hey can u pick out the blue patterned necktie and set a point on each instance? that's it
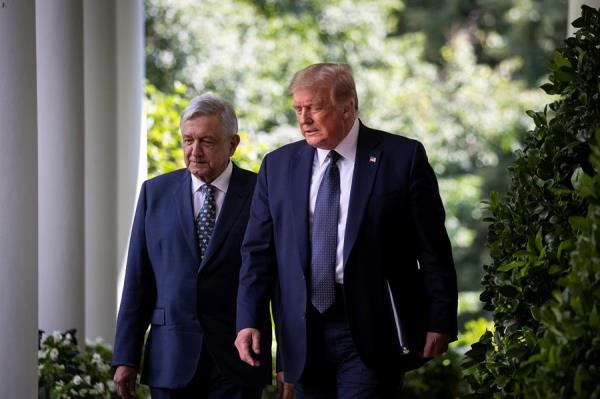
(324, 237)
(205, 222)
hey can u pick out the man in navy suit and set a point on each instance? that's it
(350, 223)
(182, 271)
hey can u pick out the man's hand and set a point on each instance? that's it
(435, 345)
(284, 390)
(125, 381)
(248, 345)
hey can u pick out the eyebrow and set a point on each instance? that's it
(317, 103)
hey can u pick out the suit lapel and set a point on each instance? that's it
(368, 158)
(185, 214)
(299, 177)
(234, 201)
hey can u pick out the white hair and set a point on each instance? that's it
(207, 105)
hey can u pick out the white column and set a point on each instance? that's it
(60, 164)
(575, 12)
(100, 168)
(18, 201)
(131, 134)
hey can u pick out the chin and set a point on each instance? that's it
(321, 144)
(201, 173)
(314, 141)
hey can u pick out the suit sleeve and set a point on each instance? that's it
(433, 247)
(139, 294)
(257, 273)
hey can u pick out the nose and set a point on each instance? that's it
(196, 148)
(304, 116)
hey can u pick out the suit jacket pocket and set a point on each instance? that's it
(158, 317)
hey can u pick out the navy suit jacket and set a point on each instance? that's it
(398, 267)
(186, 302)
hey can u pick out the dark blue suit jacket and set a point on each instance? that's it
(186, 302)
(395, 237)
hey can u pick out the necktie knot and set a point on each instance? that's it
(208, 190)
(333, 156)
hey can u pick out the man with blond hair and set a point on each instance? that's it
(350, 224)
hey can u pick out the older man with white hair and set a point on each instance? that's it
(182, 271)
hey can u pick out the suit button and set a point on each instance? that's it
(304, 316)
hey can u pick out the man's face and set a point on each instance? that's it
(323, 124)
(206, 147)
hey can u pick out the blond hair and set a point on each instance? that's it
(337, 77)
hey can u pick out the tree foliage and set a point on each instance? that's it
(543, 284)
(525, 31)
(468, 114)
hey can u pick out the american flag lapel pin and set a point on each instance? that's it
(372, 159)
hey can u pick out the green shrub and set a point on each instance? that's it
(442, 377)
(65, 372)
(543, 283)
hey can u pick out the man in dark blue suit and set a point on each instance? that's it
(182, 271)
(350, 223)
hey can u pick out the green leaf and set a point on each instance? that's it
(549, 88)
(578, 222)
(594, 319)
(580, 376)
(555, 269)
(566, 245)
(511, 265)
(576, 304)
(564, 76)
(558, 61)
(538, 240)
(580, 181)
(578, 23)
(536, 313)
(523, 253)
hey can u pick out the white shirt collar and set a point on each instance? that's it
(221, 182)
(346, 148)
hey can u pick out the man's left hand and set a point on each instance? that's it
(435, 345)
(284, 390)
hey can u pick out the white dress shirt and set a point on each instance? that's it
(221, 183)
(347, 150)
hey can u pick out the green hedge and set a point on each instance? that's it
(543, 283)
(64, 371)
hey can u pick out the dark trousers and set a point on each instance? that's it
(208, 383)
(334, 368)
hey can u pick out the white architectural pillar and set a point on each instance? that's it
(18, 201)
(575, 12)
(60, 165)
(101, 260)
(131, 134)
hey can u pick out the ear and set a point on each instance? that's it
(348, 109)
(233, 143)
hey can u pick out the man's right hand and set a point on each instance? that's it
(248, 345)
(125, 381)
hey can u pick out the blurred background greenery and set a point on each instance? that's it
(457, 75)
